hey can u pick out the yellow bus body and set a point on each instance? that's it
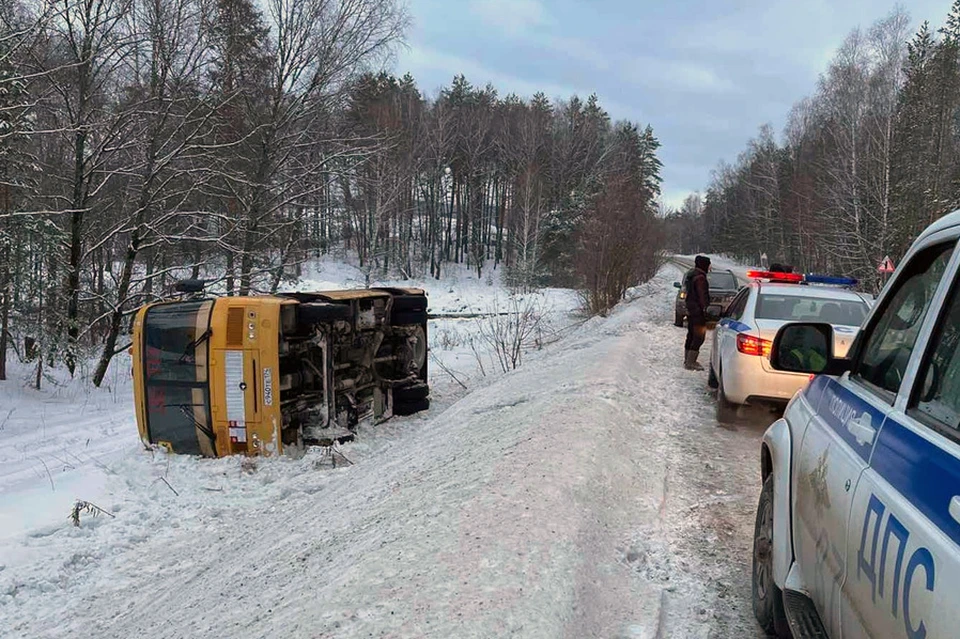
(209, 380)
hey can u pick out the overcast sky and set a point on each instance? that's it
(705, 73)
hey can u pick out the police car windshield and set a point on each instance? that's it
(722, 281)
(819, 309)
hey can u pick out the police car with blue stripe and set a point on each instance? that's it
(858, 524)
(740, 368)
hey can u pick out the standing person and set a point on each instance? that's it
(698, 299)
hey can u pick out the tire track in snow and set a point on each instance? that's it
(713, 515)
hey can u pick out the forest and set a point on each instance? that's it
(144, 141)
(865, 163)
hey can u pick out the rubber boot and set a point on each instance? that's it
(690, 363)
(693, 360)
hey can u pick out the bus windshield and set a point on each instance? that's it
(175, 343)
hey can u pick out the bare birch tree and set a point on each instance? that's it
(167, 120)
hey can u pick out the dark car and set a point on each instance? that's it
(723, 288)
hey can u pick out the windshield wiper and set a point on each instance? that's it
(191, 348)
(187, 410)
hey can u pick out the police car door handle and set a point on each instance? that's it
(862, 429)
(955, 508)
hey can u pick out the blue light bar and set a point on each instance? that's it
(829, 279)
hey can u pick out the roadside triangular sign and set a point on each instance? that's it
(886, 265)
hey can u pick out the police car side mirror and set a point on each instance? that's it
(677, 285)
(806, 347)
(714, 312)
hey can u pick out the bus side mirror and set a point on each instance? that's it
(189, 286)
(806, 347)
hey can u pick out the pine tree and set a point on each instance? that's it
(239, 76)
(915, 137)
(945, 89)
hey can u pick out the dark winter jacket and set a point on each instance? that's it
(698, 291)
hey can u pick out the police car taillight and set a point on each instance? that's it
(776, 276)
(751, 345)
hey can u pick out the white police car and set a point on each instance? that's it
(739, 366)
(858, 524)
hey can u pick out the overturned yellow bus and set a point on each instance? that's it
(218, 376)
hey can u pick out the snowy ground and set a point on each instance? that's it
(57, 445)
(588, 493)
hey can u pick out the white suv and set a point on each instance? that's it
(858, 525)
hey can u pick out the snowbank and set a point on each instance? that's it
(57, 445)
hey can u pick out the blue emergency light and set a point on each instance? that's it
(832, 280)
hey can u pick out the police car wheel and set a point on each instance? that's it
(726, 410)
(767, 597)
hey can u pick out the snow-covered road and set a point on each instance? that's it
(588, 494)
